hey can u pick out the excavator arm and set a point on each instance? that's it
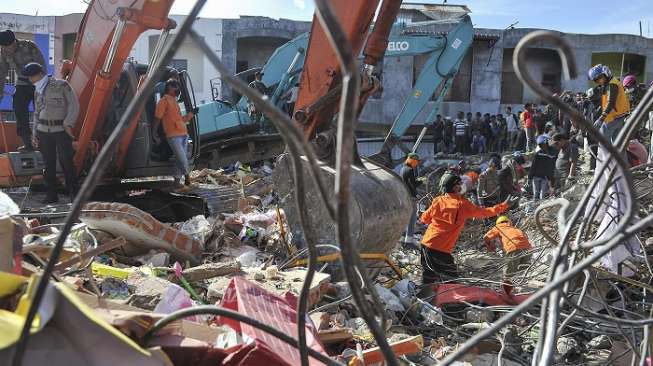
(320, 80)
(106, 36)
(436, 77)
(380, 204)
(446, 54)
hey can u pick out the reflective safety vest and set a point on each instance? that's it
(622, 105)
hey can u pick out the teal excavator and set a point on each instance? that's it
(228, 134)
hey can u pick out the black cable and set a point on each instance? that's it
(94, 176)
(347, 118)
(215, 310)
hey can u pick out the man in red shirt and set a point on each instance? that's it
(174, 125)
(529, 126)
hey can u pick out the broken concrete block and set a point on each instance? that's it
(566, 345)
(154, 259)
(148, 290)
(140, 229)
(246, 204)
(600, 342)
(215, 291)
(272, 273)
(210, 270)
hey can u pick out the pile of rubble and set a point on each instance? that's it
(130, 270)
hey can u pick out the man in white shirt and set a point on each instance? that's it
(513, 128)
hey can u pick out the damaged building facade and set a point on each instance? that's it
(485, 83)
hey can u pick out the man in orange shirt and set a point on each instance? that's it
(174, 125)
(514, 242)
(445, 219)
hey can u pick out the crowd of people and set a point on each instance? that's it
(515, 130)
(553, 141)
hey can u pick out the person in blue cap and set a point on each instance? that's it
(542, 172)
(56, 108)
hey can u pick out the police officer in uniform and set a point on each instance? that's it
(15, 54)
(55, 111)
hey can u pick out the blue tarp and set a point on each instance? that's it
(43, 43)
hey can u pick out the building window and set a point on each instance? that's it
(460, 90)
(512, 90)
(69, 45)
(551, 81)
(543, 65)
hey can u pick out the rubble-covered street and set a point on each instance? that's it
(131, 270)
(325, 182)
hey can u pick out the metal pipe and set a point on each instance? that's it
(294, 140)
(569, 67)
(113, 47)
(558, 278)
(347, 118)
(419, 139)
(215, 310)
(157, 49)
(544, 291)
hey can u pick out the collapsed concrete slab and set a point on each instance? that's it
(142, 231)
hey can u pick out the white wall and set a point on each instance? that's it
(199, 68)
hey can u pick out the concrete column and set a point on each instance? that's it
(486, 77)
(229, 52)
(397, 85)
(583, 58)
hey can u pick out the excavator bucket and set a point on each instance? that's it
(379, 209)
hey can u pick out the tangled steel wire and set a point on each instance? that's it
(297, 148)
(567, 263)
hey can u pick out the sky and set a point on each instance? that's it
(575, 16)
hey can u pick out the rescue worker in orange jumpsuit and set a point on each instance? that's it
(445, 219)
(515, 245)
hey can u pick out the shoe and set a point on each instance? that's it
(50, 200)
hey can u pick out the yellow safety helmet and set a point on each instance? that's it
(502, 218)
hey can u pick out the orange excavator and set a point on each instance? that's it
(105, 82)
(380, 204)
